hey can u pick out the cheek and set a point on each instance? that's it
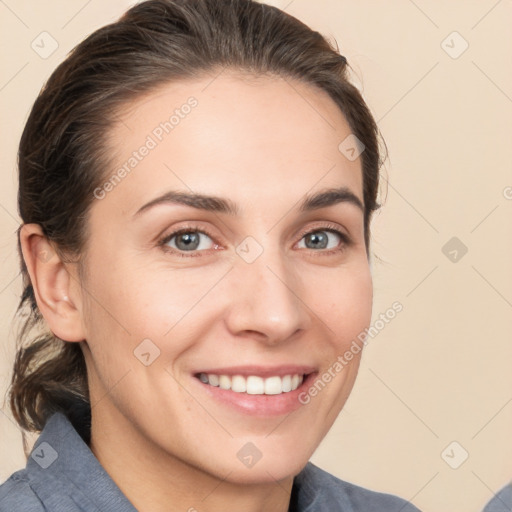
(166, 301)
(134, 297)
(343, 301)
(133, 302)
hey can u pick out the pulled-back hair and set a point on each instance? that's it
(63, 156)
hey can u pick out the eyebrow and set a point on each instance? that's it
(321, 199)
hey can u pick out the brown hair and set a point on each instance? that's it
(63, 157)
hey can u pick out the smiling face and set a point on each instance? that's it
(263, 283)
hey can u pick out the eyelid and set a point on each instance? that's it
(324, 226)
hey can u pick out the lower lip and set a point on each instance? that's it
(259, 405)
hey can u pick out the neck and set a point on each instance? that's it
(155, 481)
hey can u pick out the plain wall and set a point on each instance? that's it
(441, 370)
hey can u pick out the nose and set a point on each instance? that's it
(266, 302)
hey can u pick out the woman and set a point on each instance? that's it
(196, 186)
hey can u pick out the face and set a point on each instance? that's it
(245, 290)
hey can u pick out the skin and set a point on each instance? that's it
(264, 145)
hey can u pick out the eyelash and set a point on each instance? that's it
(331, 228)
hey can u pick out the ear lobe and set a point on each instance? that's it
(53, 285)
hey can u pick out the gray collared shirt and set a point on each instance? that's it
(502, 502)
(63, 475)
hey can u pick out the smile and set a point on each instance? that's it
(254, 384)
(256, 390)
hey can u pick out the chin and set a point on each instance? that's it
(265, 473)
(267, 469)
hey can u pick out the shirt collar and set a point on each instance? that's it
(61, 464)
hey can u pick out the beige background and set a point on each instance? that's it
(441, 371)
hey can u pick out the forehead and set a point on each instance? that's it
(251, 137)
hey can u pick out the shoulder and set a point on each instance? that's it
(16, 495)
(502, 502)
(322, 491)
(61, 473)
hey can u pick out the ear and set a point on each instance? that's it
(55, 289)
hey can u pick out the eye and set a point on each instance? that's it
(188, 240)
(327, 239)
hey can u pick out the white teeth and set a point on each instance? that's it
(213, 380)
(254, 385)
(287, 383)
(224, 382)
(238, 384)
(273, 386)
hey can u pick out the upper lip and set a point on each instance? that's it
(260, 371)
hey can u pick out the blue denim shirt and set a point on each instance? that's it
(63, 475)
